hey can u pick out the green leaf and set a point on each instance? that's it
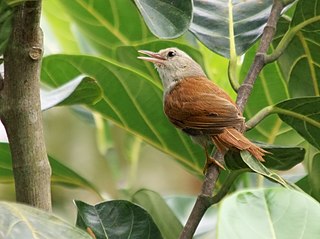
(155, 205)
(131, 100)
(283, 158)
(311, 182)
(21, 221)
(300, 60)
(60, 174)
(314, 176)
(304, 184)
(81, 90)
(6, 174)
(280, 157)
(117, 219)
(165, 18)
(229, 27)
(269, 213)
(259, 168)
(302, 114)
(106, 24)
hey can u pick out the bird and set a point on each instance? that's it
(198, 107)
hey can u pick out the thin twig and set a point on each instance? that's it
(205, 199)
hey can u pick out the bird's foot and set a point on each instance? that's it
(211, 160)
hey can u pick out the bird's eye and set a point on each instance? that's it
(171, 53)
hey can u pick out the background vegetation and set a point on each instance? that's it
(112, 149)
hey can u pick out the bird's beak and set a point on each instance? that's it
(153, 56)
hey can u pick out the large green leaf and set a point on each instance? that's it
(280, 158)
(165, 18)
(314, 177)
(226, 27)
(311, 182)
(302, 114)
(131, 100)
(106, 24)
(21, 221)
(170, 227)
(229, 27)
(301, 59)
(270, 214)
(81, 90)
(259, 168)
(60, 174)
(116, 220)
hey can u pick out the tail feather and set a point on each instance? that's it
(232, 138)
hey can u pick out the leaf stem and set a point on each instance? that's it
(232, 74)
(232, 69)
(258, 117)
(296, 115)
(286, 39)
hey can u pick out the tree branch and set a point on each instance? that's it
(259, 60)
(20, 109)
(205, 199)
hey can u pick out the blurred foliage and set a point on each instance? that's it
(97, 67)
(34, 223)
(60, 173)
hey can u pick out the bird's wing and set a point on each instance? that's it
(198, 106)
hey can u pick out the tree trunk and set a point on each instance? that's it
(20, 107)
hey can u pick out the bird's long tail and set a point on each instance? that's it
(232, 138)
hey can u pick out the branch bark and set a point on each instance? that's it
(20, 107)
(205, 199)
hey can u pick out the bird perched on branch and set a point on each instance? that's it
(199, 107)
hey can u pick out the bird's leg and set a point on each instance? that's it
(210, 160)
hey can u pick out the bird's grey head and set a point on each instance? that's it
(173, 65)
